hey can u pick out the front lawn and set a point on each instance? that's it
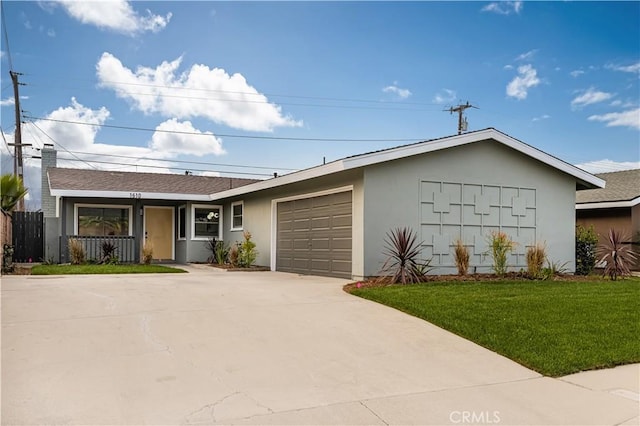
(102, 269)
(555, 328)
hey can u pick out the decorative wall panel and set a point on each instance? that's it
(449, 211)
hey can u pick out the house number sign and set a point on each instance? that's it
(135, 195)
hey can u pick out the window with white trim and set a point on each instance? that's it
(237, 214)
(207, 222)
(182, 223)
(102, 220)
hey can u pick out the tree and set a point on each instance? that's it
(12, 190)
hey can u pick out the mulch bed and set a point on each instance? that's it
(510, 276)
(231, 268)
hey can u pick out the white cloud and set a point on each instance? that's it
(527, 55)
(590, 96)
(444, 96)
(210, 174)
(542, 117)
(201, 91)
(503, 7)
(526, 79)
(576, 73)
(7, 102)
(191, 141)
(606, 165)
(51, 32)
(630, 118)
(402, 93)
(508, 67)
(633, 68)
(114, 15)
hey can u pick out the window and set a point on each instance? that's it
(182, 223)
(237, 211)
(207, 222)
(100, 220)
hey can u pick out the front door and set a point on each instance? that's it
(159, 231)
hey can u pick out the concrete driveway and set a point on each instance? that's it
(213, 347)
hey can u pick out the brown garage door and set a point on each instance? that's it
(314, 235)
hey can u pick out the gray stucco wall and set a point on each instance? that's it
(409, 192)
(258, 214)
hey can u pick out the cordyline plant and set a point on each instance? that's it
(617, 254)
(402, 250)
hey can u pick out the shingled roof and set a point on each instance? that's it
(621, 186)
(82, 182)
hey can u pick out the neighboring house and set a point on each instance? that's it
(333, 219)
(616, 206)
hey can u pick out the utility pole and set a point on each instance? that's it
(17, 158)
(462, 121)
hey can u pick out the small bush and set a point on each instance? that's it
(7, 258)
(77, 254)
(500, 245)
(586, 244)
(402, 265)
(248, 253)
(108, 253)
(147, 253)
(461, 257)
(536, 257)
(219, 251)
(616, 252)
(234, 255)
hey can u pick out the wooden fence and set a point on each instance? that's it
(27, 237)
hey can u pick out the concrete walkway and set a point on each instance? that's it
(215, 347)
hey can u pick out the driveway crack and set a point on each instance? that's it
(373, 412)
(146, 331)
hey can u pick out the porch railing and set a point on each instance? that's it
(125, 246)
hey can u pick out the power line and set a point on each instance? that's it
(62, 146)
(198, 89)
(163, 167)
(223, 135)
(184, 161)
(6, 35)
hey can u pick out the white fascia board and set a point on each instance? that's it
(128, 195)
(327, 169)
(416, 149)
(608, 204)
(550, 160)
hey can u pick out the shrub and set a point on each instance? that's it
(76, 252)
(616, 252)
(147, 253)
(402, 250)
(248, 252)
(7, 258)
(108, 253)
(500, 245)
(536, 256)
(234, 255)
(586, 243)
(219, 251)
(461, 257)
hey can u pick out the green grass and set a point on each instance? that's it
(555, 328)
(102, 269)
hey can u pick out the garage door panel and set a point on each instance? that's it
(314, 235)
(320, 223)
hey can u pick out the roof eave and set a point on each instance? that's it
(587, 180)
(607, 204)
(129, 195)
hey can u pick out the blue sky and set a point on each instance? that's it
(253, 84)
